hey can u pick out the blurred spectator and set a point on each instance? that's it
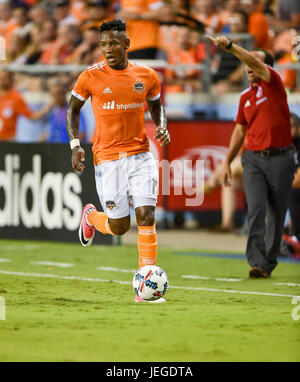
(48, 32)
(291, 238)
(25, 51)
(23, 25)
(61, 50)
(258, 25)
(228, 70)
(287, 16)
(57, 132)
(225, 13)
(88, 52)
(282, 48)
(61, 13)
(38, 14)
(78, 9)
(12, 106)
(294, 205)
(206, 12)
(289, 13)
(183, 78)
(168, 31)
(15, 49)
(142, 17)
(97, 13)
(7, 23)
(228, 194)
(35, 47)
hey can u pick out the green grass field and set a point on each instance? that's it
(82, 313)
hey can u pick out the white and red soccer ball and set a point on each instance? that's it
(150, 282)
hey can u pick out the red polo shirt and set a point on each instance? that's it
(263, 107)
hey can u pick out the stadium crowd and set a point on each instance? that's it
(61, 32)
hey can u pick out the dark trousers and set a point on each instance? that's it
(294, 208)
(267, 185)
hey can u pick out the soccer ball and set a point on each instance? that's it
(150, 282)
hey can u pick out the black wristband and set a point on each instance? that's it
(229, 46)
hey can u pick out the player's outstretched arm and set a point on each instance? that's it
(72, 125)
(159, 117)
(258, 67)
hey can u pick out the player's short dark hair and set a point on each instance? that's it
(113, 25)
(269, 59)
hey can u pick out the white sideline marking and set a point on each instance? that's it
(52, 264)
(2, 308)
(112, 269)
(26, 247)
(5, 260)
(288, 284)
(129, 283)
(195, 277)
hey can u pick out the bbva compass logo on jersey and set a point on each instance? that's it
(139, 86)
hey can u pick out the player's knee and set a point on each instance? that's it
(120, 230)
(120, 226)
(146, 220)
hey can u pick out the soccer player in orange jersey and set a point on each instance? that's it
(125, 169)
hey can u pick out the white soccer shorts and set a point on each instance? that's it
(133, 179)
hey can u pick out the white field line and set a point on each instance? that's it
(5, 260)
(129, 283)
(112, 269)
(288, 284)
(195, 277)
(52, 264)
(26, 247)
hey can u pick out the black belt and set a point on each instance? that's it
(273, 151)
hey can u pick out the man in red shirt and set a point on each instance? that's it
(268, 161)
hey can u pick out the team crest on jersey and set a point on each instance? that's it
(110, 204)
(139, 86)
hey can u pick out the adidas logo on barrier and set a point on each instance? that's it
(107, 90)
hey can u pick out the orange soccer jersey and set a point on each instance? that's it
(118, 104)
(11, 106)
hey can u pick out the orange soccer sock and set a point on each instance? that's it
(147, 245)
(100, 221)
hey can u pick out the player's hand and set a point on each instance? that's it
(227, 176)
(221, 42)
(78, 156)
(162, 134)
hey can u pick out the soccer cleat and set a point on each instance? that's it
(86, 232)
(158, 301)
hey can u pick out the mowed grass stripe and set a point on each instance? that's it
(129, 283)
